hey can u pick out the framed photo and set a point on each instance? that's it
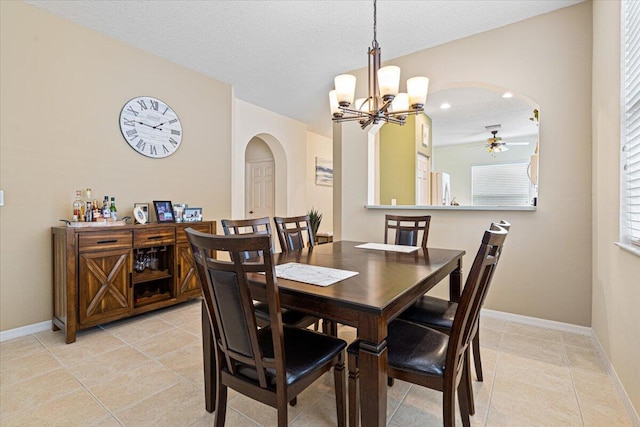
(425, 135)
(193, 214)
(164, 211)
(141, 212)
(324, 171)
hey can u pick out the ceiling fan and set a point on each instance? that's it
(495, 144)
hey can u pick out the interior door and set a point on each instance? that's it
(422, 180)
(260, 191)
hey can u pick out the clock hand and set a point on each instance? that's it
(160, 124)
(142, 123)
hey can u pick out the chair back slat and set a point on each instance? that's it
(473, 294)
(227, 295)
(407, 229)
(247, 226)
(292, 232)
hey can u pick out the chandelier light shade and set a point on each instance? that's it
(384, 102)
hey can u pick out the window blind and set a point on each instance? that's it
(630, 158)
(500, 185)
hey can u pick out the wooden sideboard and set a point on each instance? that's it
(102, 274)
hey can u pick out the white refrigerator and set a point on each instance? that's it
(440, 188)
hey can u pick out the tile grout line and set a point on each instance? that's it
(573, 383)
(493, 380)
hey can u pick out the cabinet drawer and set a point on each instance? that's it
(182, 236)
(89, 242)
(154, 237)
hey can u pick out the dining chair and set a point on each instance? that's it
(407, 229)
(432, 359)
(438, 313)
(272, 364)
(259, 226)
(294, 233)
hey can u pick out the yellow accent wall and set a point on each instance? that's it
(397, 166)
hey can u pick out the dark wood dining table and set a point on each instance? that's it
(386, 284)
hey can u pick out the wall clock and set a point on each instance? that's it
(150, 127)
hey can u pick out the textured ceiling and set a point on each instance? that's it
(283, 55)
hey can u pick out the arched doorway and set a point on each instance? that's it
(260, 178)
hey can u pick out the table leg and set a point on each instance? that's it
(209, 361)
(372, 361)
(455, 283)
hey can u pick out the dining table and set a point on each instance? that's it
(387, 282)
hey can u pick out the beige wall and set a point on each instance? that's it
(616, 283)
(62, 90)
(545, 271)
(287, 140)
(319, 196)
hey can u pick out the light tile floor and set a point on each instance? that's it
(147, 371)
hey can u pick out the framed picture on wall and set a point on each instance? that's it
(324, 171)
(425, 135)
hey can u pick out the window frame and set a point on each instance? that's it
(630, 138)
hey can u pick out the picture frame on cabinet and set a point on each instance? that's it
(193, 214)
(141, 215)
(164, 211)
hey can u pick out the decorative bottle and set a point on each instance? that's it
(88, 211)
(114, 213)
(97, 212)
(106, 209)
(77, 207)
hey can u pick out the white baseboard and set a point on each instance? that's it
(534, 321)
(633, 414)
(25, 330)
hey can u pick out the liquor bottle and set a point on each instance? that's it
(106, 209)
(96, 211)
(114, 213)
(88, 214)
(77, 207)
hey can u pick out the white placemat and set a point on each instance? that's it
(312, 274)
(385, 247)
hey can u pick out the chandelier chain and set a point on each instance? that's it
(375, 25)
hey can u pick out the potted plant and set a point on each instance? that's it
(315, 218)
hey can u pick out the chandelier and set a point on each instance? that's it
(383, 102)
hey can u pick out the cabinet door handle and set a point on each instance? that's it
(102, 242)
(154, 237)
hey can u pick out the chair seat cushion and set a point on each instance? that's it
(289, 317)
(413, 348)
(305, 351)
(433, 312)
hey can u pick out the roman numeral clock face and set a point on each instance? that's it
(150, 127)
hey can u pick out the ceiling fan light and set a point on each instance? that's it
(388, 81)
(417, 88)
(333, 104)
(345, 89)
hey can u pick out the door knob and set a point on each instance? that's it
(250, 212)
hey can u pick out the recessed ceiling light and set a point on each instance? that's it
(445, 106)
(507, 95)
